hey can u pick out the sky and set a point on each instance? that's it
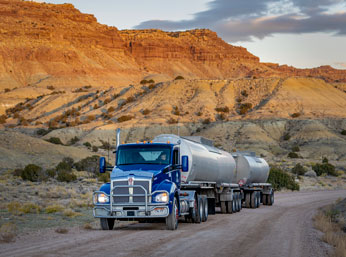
(301, 33)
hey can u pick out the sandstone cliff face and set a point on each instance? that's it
(45, 44)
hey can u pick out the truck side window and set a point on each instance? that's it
(175, 156)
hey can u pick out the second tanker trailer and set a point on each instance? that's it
(174, 177)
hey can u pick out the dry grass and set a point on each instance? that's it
(14, 208)
(70, 213)
(8, 232)
(333, 234)
(54, 208)
(30, 208)
(87, 226)
(61, 230)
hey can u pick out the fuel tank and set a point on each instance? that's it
(206, 163)
(250, 169)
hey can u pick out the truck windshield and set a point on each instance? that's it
(149, 154)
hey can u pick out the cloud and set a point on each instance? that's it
(236, 20)
(341, 64)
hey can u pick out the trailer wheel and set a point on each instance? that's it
(253, 200)
(240, 207)
(258, 196)
(172, 219)
(264, 199)
(107, 223)
(270, 198)
(237, 202)
(223, 207)
(205, 208)
(248, 200)
(199, 211)
(230, 206)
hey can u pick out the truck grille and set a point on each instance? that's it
(126, 190)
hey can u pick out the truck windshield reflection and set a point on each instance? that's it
(143, 155)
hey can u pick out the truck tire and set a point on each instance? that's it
(199, 213)
(253, 203)
(230, 206)
(223, 207)
(264, 199)
(270, 198)
(107, 223)
(248, 200)
(172, 219)
(258, 195)
(237, 197)
(240, 203)
(205, 208)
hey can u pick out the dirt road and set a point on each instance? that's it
(284, 229)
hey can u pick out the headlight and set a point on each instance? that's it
(162, 198)
(102, 198)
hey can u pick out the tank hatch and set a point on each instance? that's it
(201, 140)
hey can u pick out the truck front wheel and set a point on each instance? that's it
(106, 223)
(172, 219)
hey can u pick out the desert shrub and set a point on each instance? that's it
(130, 99)
(14, 208)
(42, 132)
(65, 176)
(125, 118)
(293, 155)
(50, 87)
(3, 119)
(54, 140)
(176, 111)
(244, 108)
(111, 109)
(73, 140)
(63, 166)
(104, 177)
(8, 232)
(143, 81)
(324, 168)
(54, 208)
(295, 115)
(30, 208)
(105, 145)
(32, 173)
(286, 136)
(172, 121)
(7, 90)
(146, 111)
(298, 169)
(222, 109)
(238, 100)
(17, 172)
(325, 160)
(151, 81)
(295, 148)
(70, 213)
(51, 173)
(206, 121)
(95, 149)
(87, 144)
(244, 93)
(281, 179)
(151, 86)
(90, 118)
(179, 77)
(199, 113)
(89, 164)
(343, 132)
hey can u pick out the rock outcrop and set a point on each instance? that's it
(46, 44)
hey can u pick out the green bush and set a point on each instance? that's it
(286, 136)
(95, 149)
(104, 177)
(125, 118)
(295, 148)
(206, 121)
(64, 176)
(87, 144)
(179, 77)
(324, 168)
(281, 179)
(143, 81)
(42, 132)
(63, 166)
(298, 169)
(55, 140)
(343, 132)
(293, 155)
(51, 173)
(222, 109)
(73, 140)
(244, 108)
(32, 173)
(89, 164)
(3, 119)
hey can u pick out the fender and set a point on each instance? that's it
(173, 191)
(106, 188)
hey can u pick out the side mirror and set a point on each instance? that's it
(185, 163)
(102, 164)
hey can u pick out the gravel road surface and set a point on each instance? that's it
(284, 229)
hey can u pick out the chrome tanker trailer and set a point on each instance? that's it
(173, 176)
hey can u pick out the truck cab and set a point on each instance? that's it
(144, 185)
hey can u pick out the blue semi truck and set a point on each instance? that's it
(173, 177)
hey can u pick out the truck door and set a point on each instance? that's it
(176, 172)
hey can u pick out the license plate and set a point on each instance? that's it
(131, 213)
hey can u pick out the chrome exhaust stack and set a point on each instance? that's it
(118, 137)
